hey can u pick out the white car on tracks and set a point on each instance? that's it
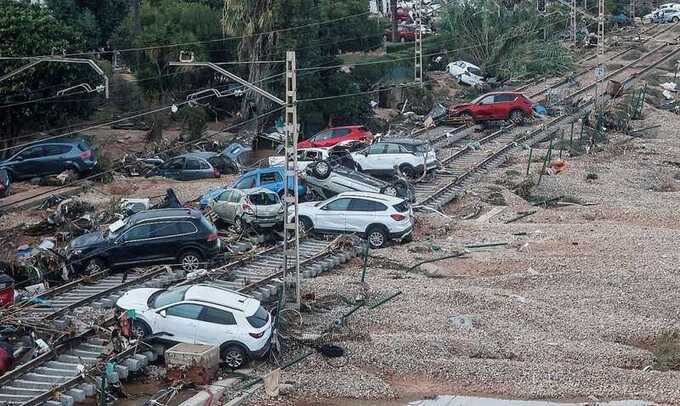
(410, 156)
(202, 314)
(376, 217)
(466, 73)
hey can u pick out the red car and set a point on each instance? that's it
(511, 106)
(336, 135)
(404, 32)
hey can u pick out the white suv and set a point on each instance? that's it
(408, 155)
(202, 314)
(376, 217)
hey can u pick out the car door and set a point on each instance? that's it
(29, 162)
(179, 321)
(504, 103)
(361, 213)
(130, 248)
(332, 215)
(485, 108)
(173, 168)
(371, 160)
(216, 326)
(192, 169)
(161, 247)
(394, 156)
(221, 205)
(56, 159)
(232, 208)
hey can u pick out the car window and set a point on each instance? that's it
(341, 132)
(193, 164)
(139, 232)
(185, 311)
(160, 230)
(263, 198)
(235, 197)
(377, 149)
(311, 156)
(366, 205)
(401, 207)
(56, 149)
(186, 227)
(504, 98)
(176, 163)
(337, 205)
(217, 316)
(224, 196)
(392, 149)
(204, 165)
(487, 100)
(246, 183)
(82, 146)
(259, 319)
(171, 296)
(269, 177)
(322, 136)
(33, 152)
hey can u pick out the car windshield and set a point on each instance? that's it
(263, 198)
(424, 147)
(478, 99)
(401, 207)
(259, 319)
(166, 297)
(115, 229)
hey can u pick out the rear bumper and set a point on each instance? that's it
(262, 351)
(401, 234)
(263, 222)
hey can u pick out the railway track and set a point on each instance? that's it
(56, 378)
(463, 166)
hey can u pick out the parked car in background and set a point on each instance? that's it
(326, 179)
(337, 135)
(466, 73)
(305, 157)
(208, 314)
(163, 236)
(270, 178)
(5, 183)
(50, 158)
(670, 15)
(373, 216)
(257, 208)
(511, 106)
(192, 166)
(405, 33)
(410, 156)
(239, 154)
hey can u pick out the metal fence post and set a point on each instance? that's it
(531, 151)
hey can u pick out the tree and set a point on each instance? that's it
(29, 29)
(96, 19)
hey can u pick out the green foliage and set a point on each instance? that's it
(96, 19)
(195, 120)
(29, 29)
(126, 95)
(505, 41)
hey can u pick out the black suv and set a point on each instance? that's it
(164, 236)
(50, 158)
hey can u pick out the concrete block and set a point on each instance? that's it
(183, 354)
(66, 400)
(150, 355)
(52, 403)
(60, 324)
(122, 371)
(211, 395)
(88, 388)
(107, 303)
(142, 359)
(307, 274)
(78, 395)
(133, 364)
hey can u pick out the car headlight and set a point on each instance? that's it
(76, 252)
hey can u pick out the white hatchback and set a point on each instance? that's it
(202, 314)
(378, 218)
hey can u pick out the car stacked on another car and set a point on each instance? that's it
(195, 165)
(50, 158)
(376, 217)
(209, 314)
(509, 106)
(270, 178)
(387, 157)
(163, 236)
(257, 208)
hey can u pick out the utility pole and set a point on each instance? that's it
(291, 249)
(632, 12)
(291, 229)
(600, 49)
(418, 63)
(573, 21)
(395, 23)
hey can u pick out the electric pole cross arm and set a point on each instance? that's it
(90, 62)
(233, 77)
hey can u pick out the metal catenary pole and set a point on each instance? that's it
(418, 64)
(573, 21)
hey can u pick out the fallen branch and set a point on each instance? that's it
(458, 254)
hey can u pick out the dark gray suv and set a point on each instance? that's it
(50, 158)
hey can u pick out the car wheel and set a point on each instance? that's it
(234, 357)
(139, 329)
(94, 266)
(676, 19)
(516, 117)
(321, 170)
(306, 225)
(390, 190)
(190, 261)
(408, 170)
(238, 225)
(376, 236)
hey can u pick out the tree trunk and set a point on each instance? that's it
(395, 25)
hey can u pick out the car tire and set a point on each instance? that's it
(408, 170)
(234, 357)
(389, 190)
(408, 238)
(190, 260)
(139, 329)
(306, 225)
(676, 19)
(516, 117)
(377, 236)
(402, 188)
(321, 169)
(94, 266)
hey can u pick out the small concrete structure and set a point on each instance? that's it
(196, 362)
(211, 395)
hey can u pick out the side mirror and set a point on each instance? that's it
(163, 313)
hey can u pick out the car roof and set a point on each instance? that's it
(409, 141)
(372, 195)
(275, 168)
(199, 154)
(255, 190)
(57, 141)
(155, 214)
(508, 92)
(216, 294)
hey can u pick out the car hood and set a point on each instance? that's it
(88, 240)
(136, 298)
(462, 106)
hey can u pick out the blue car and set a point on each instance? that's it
(270, 178)
(50, 158)
(204, 200)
